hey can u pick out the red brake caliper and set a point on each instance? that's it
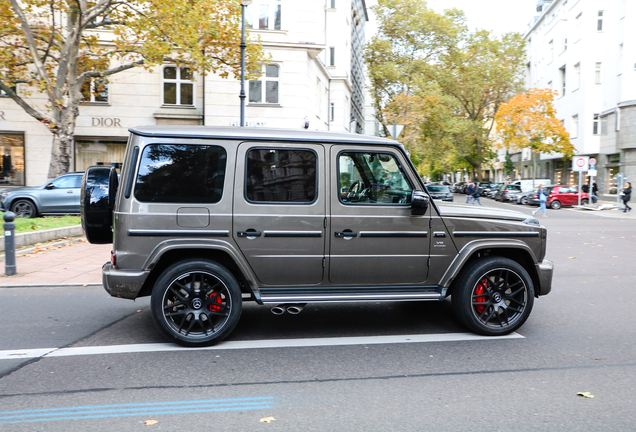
(479, 295)
(213, 307)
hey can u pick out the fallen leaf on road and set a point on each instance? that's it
(614, 256)
(153, 422)
(268, 419)
(585, 394)
(572, 257)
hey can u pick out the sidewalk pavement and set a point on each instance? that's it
(74, 262)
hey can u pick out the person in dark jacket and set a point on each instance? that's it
(470, 191)
(626, 194)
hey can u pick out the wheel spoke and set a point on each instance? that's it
(517, 292)
(177, 313)
(183, 287)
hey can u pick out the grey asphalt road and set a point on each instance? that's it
(580, 338)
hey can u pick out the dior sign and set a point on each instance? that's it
(106, 122)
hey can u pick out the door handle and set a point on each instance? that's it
(248, 233)
(345, 234)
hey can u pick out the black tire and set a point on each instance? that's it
(585, 201)
(493, 296)
(524, 200)
(196, 303)
(555, 205)
(24, 208)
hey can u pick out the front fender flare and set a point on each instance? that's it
(475, 246)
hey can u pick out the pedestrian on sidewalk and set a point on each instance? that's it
(470, 191)
(626, 195)
(543, 198)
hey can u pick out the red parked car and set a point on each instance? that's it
(562, 195)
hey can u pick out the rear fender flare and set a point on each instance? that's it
(209, 244)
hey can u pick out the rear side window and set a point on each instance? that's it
(180, 173)
(281, 176)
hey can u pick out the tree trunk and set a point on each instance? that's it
(63, 143)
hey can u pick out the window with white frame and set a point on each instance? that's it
(332, 56)
(562, 76)
(266, 88)
(551, 49)
(178, 86)
(599, 22)
(595, 124)
(332, 111)
(597, 73)
(264, 15)
(575, 126)
(95, 90)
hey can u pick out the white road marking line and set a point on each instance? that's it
(252, 344)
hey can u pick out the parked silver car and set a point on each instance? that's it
(59, 196)
(208, 216)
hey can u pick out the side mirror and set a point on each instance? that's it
(49, 186)
(419, 203)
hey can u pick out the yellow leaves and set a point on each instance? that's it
(150, 422)
(529, 120)
(585, 394)
(267, 419)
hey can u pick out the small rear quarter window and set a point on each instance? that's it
(181, 173)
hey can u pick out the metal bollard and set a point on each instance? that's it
(9, 243)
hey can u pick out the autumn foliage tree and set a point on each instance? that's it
(528, 121)
(55, 47)
(419, 56)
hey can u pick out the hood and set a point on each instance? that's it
(470, 211)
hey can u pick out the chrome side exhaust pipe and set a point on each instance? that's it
(279, 310)
(295, 309)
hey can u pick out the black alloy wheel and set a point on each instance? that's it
(24, 208)
(493, 296)
(196, 303)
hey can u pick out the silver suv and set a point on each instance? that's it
(206, 218)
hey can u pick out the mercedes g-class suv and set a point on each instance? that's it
(206, 218)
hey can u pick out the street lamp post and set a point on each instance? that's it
(244, 4)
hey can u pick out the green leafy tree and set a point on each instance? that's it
(481, 73)
(410, 39)
(55, 47)
(419, 56)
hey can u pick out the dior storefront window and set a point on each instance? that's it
(12, 150)
(107, 151)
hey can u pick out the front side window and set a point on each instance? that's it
(264, 15)
(178, 86)
(178, 173)
(95, 90)
(265, 89)
(372, 178)
(281, 176)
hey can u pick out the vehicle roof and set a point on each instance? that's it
(259, 134)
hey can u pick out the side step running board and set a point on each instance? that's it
(348, 294)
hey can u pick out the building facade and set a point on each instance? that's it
(314, 78)
(586, 51)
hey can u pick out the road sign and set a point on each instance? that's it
(591, 173)
(592, 161)
(580, 163)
